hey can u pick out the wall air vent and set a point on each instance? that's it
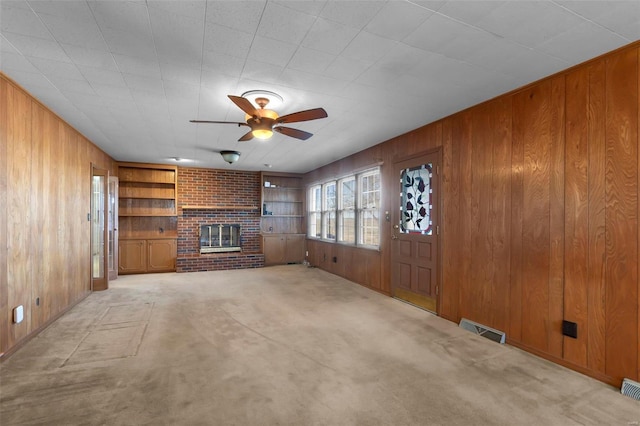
(630, 388)
(483, 330)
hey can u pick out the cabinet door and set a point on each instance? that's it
(132, 257)
(273, 247)
(162, 255)
(294, 251)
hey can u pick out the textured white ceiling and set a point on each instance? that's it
(130, 75)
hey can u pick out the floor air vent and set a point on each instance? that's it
(630, 388)
(482, 330)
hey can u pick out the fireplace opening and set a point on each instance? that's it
(219, 238)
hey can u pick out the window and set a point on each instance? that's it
(369, 209)
(315, 211)
(329, 211)
(347, 210)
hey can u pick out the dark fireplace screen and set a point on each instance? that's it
(219, 238)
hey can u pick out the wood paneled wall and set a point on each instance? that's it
(45, 189)
(540, 215)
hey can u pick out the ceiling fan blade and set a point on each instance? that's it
(244, 104)
(294, 133)
(310, 114)
(246, 137)
(219, 122)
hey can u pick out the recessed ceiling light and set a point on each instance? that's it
(268, 165)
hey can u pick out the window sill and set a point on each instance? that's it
(355, 246)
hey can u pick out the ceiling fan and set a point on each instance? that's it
(263, 122)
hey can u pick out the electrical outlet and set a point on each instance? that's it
(18, 314)
(570, 329)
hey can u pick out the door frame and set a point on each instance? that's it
(438, 231)
(102, 283)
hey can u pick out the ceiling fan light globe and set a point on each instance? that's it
(262, 133)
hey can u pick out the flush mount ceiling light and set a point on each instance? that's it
(230, 156)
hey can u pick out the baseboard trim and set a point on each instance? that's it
(612, 381)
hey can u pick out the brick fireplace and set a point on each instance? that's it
(210, 197)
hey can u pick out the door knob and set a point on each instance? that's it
(396, 226)
(394, 237)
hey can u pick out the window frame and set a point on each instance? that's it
(329, 212)
(335, 213)
(314, 213)
(362, 209)
(341, 210)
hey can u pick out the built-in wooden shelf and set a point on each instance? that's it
(219, 207)
(146, 215)
(148, 218)
(148, 198)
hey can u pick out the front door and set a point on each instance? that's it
(414, 246)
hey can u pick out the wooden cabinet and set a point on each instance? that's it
(161, 255)
(140, 256)
(282, 220)
(294, 248)
(283, 248)
(273, 247)
(133, 256)
(147, 214)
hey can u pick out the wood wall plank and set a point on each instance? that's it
(462, 133)
(517, 217)
(39, 228)
(479, 289)
(596, 298)
(556, 215)
(532, 117)
(450, 293)
(621, 287)
(500, 212)
(576, 214)
(4, 290)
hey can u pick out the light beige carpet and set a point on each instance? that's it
(285, 345)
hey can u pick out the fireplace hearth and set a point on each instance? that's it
(219, 238)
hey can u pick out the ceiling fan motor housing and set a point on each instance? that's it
(261, 127)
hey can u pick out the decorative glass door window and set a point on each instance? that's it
(415, 203)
